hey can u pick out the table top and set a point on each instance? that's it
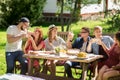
(10, 76)
(39, 54)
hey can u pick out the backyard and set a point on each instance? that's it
(75, 28)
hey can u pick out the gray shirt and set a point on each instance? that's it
(58, 42)
(107, 40)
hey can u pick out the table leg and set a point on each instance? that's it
(95, 69)
(84, 71)
(30, 66)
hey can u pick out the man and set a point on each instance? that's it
(13, 50)
(80, 43)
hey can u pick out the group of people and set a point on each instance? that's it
(100, 45)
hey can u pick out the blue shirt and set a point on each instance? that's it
(107, 40)
(78, 43)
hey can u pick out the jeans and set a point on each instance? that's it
(12, 57)
(68, 66)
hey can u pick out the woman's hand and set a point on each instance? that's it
(70, 36)
(30, 37)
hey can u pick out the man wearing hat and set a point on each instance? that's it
(13, 50)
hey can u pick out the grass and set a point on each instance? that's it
(75, 27)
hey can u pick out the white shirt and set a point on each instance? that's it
(17, 45)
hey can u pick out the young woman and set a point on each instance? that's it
(111, 67)
(51, 43)
(35, 42)
(96, 48)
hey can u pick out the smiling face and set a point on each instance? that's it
(84, 32)
(37, 33)
(54, 32)
(24, 25)
(98, 32)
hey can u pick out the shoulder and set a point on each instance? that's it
(59, 38)
(78, 39)
(11, 27)
(46, 40)
(107, 38)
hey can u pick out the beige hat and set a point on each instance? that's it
(52, 26)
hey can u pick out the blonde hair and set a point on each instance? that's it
(98, 28)
(50, 35)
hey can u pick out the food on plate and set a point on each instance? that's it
(73, 51)
(82, 55)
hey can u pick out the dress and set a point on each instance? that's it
(29, 47)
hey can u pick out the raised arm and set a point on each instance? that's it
(69, 40)
(12, 38)
(39, 47)
(89, 47)
(103, 45)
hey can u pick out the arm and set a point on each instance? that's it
(99, 42)
(69, 44)
(69, 40)
(40, 46)
(89, 47)
(12, 38)
(25, 47)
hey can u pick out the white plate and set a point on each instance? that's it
(82, 57)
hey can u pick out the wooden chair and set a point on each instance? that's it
(63, 35)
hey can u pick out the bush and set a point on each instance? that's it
(13, 10)
(115, 22)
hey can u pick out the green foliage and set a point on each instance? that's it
(114, 21)
(13, 10)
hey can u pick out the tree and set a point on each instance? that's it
(74, 6)
(13, 10)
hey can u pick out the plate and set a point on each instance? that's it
(81, 57)
(73, 51)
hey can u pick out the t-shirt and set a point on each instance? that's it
(59, 41)
(17, 45)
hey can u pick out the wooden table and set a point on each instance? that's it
(10, 76)
(91, 58)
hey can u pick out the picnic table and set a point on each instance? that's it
(45, 55)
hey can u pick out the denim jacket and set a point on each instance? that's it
(107, 40)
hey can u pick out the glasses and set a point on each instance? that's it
(84, 32)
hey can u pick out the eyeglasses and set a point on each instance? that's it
(84, 32)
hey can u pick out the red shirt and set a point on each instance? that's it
(29, 47)
(114, 55)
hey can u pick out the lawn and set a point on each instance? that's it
(75, 27)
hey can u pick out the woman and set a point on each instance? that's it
(51, 43)
(96, 48)
(35, 42)
(111, 67)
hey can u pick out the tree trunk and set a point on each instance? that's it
(72, 15)
(105, 7)
(61, 15)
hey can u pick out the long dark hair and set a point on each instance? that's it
(117, 36)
